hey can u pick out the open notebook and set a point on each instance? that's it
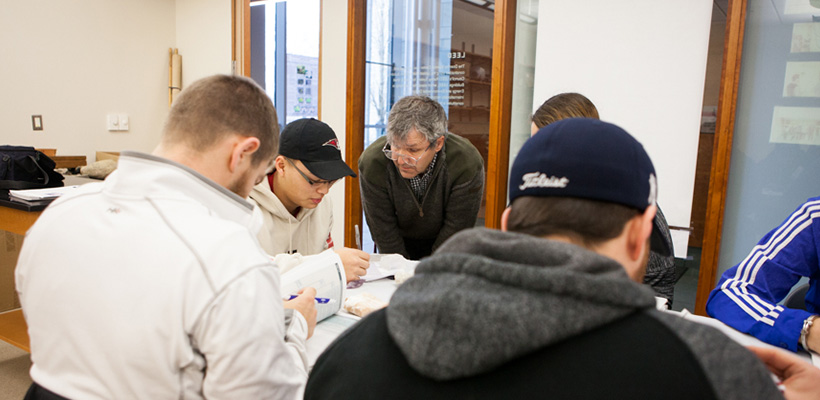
(323, 272)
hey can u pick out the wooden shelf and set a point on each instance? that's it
(465, 108)
(69, 161)
(477, 82)
(64, 161)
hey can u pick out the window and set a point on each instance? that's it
(285, 55)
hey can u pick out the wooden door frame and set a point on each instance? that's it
(241, 37)
(354, 113)
(500, 111)
(724, 132)
(504, 17)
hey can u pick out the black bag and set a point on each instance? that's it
(23, 167)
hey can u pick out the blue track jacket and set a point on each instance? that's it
(746, 296)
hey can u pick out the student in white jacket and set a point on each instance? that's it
(297, 214)
(151, 285)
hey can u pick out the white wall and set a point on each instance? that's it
(643, 63)
(333, 75)
(74, 62)
(203, 36)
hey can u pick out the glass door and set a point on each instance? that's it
(441, 49)
(776, 147)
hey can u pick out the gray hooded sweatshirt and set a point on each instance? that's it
(489, 302)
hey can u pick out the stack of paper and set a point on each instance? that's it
(30, 195)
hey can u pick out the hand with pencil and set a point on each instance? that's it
(305, 303)
(356, 262)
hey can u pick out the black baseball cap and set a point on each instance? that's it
(315, 144)
(590, 159)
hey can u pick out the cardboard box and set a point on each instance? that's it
(108, 155)
(10, 244)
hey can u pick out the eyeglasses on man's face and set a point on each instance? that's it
(314, 184)
(410, 157)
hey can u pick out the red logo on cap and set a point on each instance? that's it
(333, 143)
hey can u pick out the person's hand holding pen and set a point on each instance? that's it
(305, 303)
(356, 262)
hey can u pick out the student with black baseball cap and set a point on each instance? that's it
(297, 216)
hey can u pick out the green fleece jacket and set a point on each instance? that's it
(450, 204)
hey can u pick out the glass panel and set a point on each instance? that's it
(523, 75)
(285, 55)
(776, 148)
(523, 104)
(436, 48)
(471, 77)
(302, 74)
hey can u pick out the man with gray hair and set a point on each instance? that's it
(419, 183)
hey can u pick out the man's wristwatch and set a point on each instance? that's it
(804, 333)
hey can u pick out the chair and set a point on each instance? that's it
(797, 298)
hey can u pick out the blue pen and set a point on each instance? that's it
(320, 300)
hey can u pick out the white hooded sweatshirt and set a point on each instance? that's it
(286, 237)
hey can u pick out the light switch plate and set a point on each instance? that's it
(113, 122)
(124, 122)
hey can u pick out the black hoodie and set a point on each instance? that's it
(504, 315)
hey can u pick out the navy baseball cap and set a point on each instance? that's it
(315, 144)
(589, 159)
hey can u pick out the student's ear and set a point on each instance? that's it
(242, 150)
(533, 129)
(279, 164)
(505, 216)
(640, 228)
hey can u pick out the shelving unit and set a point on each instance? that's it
(471, 118)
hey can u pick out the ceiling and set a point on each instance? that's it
(719, 9)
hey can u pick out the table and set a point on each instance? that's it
(330, 328)
(327, 330)
(17, 218)
(13, 329)
(740, 337)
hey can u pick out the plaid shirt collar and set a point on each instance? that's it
(419, 182)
